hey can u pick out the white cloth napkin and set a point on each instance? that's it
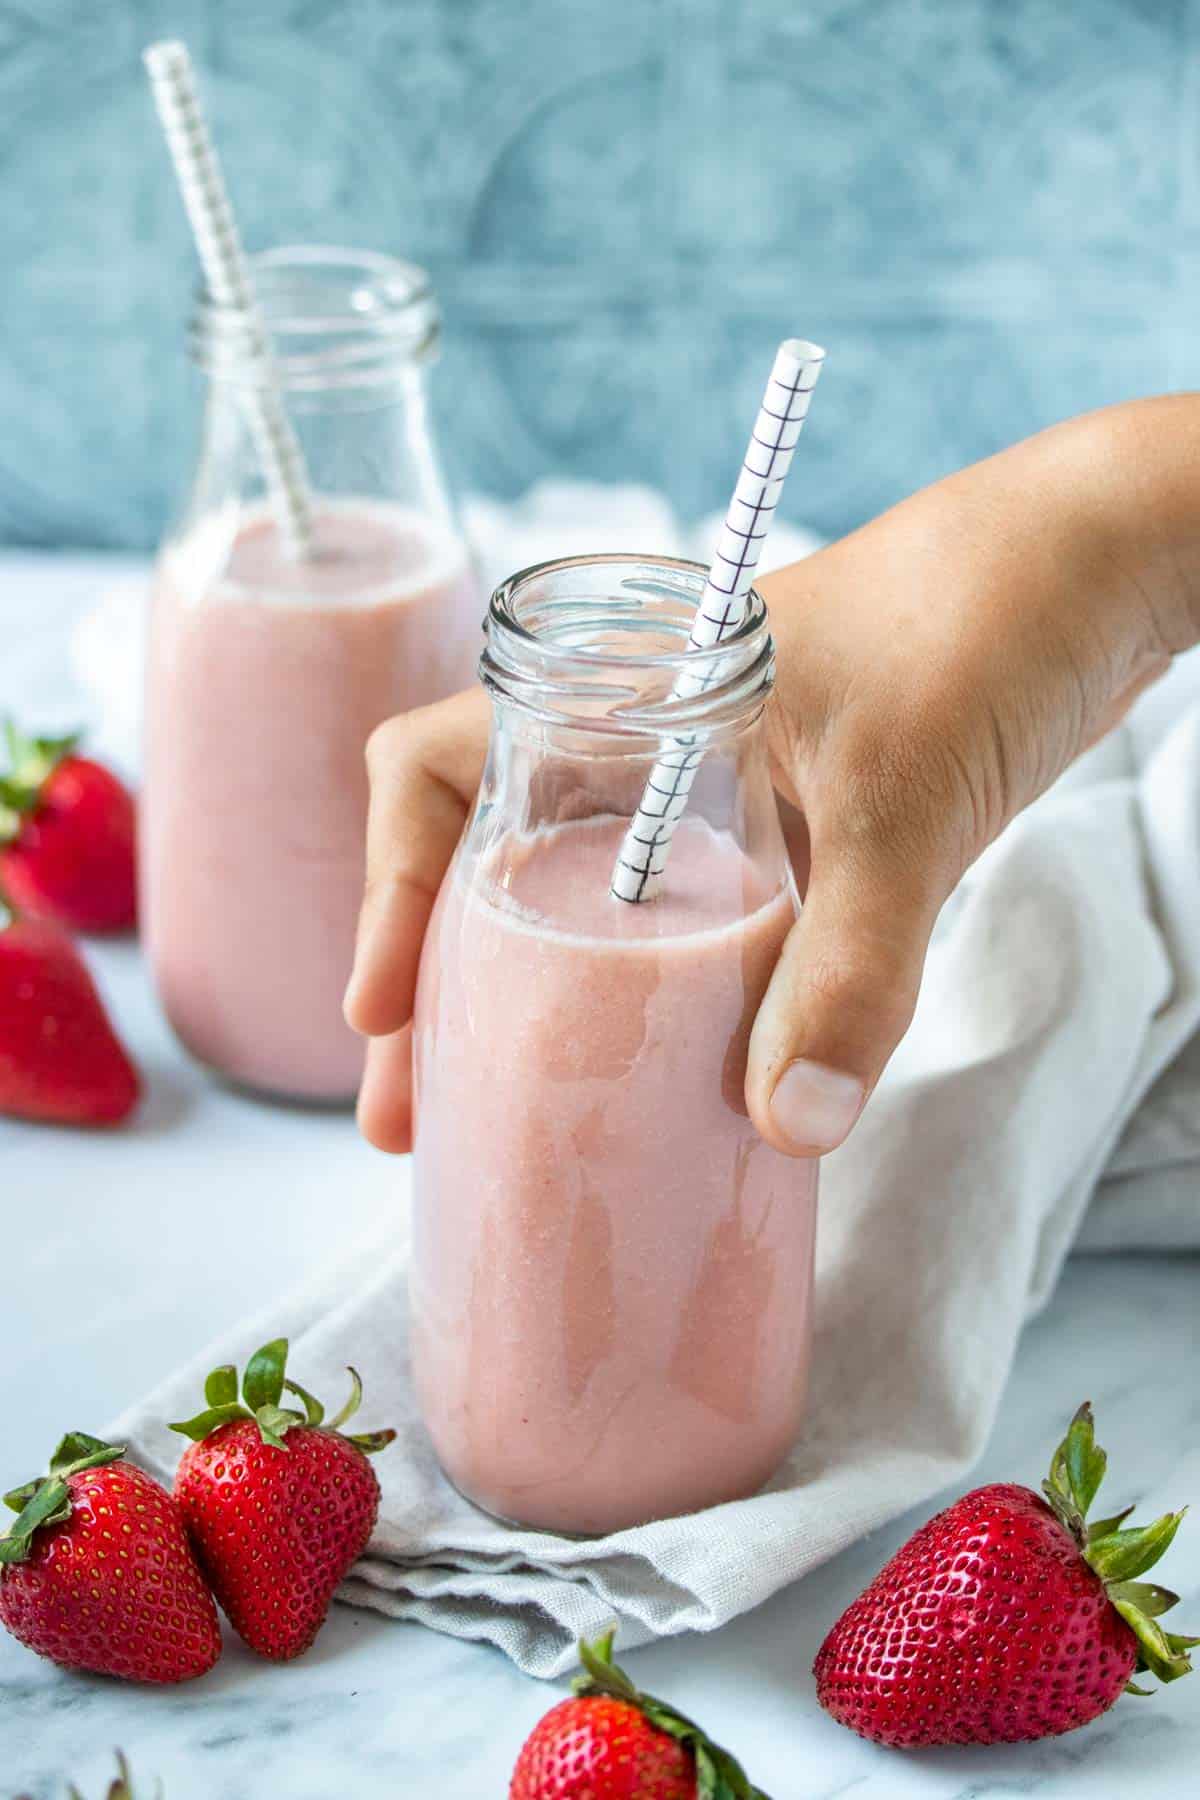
(1052, 1041)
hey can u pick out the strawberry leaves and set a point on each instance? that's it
(221, 1393)
(719, 1775)
(353, 1401)
(221, 1388)
(1103, 1527)
(1118, 1557)
(264, 1383)
(121, 1788)
(1123, 1555)
(1118, 1553)
(1152, 1599)
(369, 1442)
(78, 1450)
(314, 1412)
(262, 1390)
(210, 1420)
(1076, 1472)
(1085, 1461)
(47, 1501)
(31, 762)
(49, 1505)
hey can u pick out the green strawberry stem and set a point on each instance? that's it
(719, 1775)
(1118, 1554)
(47, 1500)
(353, 1401)
(264, 1383)
(31, 762)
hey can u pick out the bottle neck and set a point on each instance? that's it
(351, 336)
(540, 775)
(594, 652)
(583, 662)
(347, 329)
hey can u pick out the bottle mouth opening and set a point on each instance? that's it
(334, 317)
(597, 643)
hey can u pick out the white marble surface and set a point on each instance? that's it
(123, 1254)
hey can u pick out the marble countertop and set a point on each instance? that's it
(124, 1254)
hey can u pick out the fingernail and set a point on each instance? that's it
(814, 1107)
(354, 988)
(358, 967)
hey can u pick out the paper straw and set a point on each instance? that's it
(722, 607)
(173, 82)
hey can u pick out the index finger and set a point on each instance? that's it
(424, 768)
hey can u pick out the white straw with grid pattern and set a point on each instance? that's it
(722, 607)
(173, 83)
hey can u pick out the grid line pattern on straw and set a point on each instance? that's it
(722, 607)
(173, 84)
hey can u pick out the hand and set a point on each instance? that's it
(424, 768)
(937, 670)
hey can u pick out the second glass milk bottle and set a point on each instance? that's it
(266, 674)
(612, 1272)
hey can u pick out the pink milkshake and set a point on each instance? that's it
(611, 1272)
(266, 677)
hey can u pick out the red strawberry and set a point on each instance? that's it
(1006, 1617)
(97, 1572)
(59, 1057)
(612, 1743)
(66, 836)
(278, 1504)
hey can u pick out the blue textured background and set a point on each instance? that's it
(989, 211)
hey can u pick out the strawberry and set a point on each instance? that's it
(97, 1573)
(612, 1743)
(1006, 1617)
(66, 836)
(278, 1504)
(60, 1059)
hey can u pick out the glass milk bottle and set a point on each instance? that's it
(266, 674)
(612, 1273)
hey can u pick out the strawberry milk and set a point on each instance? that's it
(611, 1275)
(265, 678)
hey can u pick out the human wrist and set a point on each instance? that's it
(1135, 466)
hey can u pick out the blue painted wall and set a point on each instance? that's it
(989, 211)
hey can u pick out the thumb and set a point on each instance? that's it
(841, 997)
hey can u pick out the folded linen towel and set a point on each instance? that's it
(1061, 1001)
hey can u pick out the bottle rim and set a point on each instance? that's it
(597, 644)
(336, 318)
